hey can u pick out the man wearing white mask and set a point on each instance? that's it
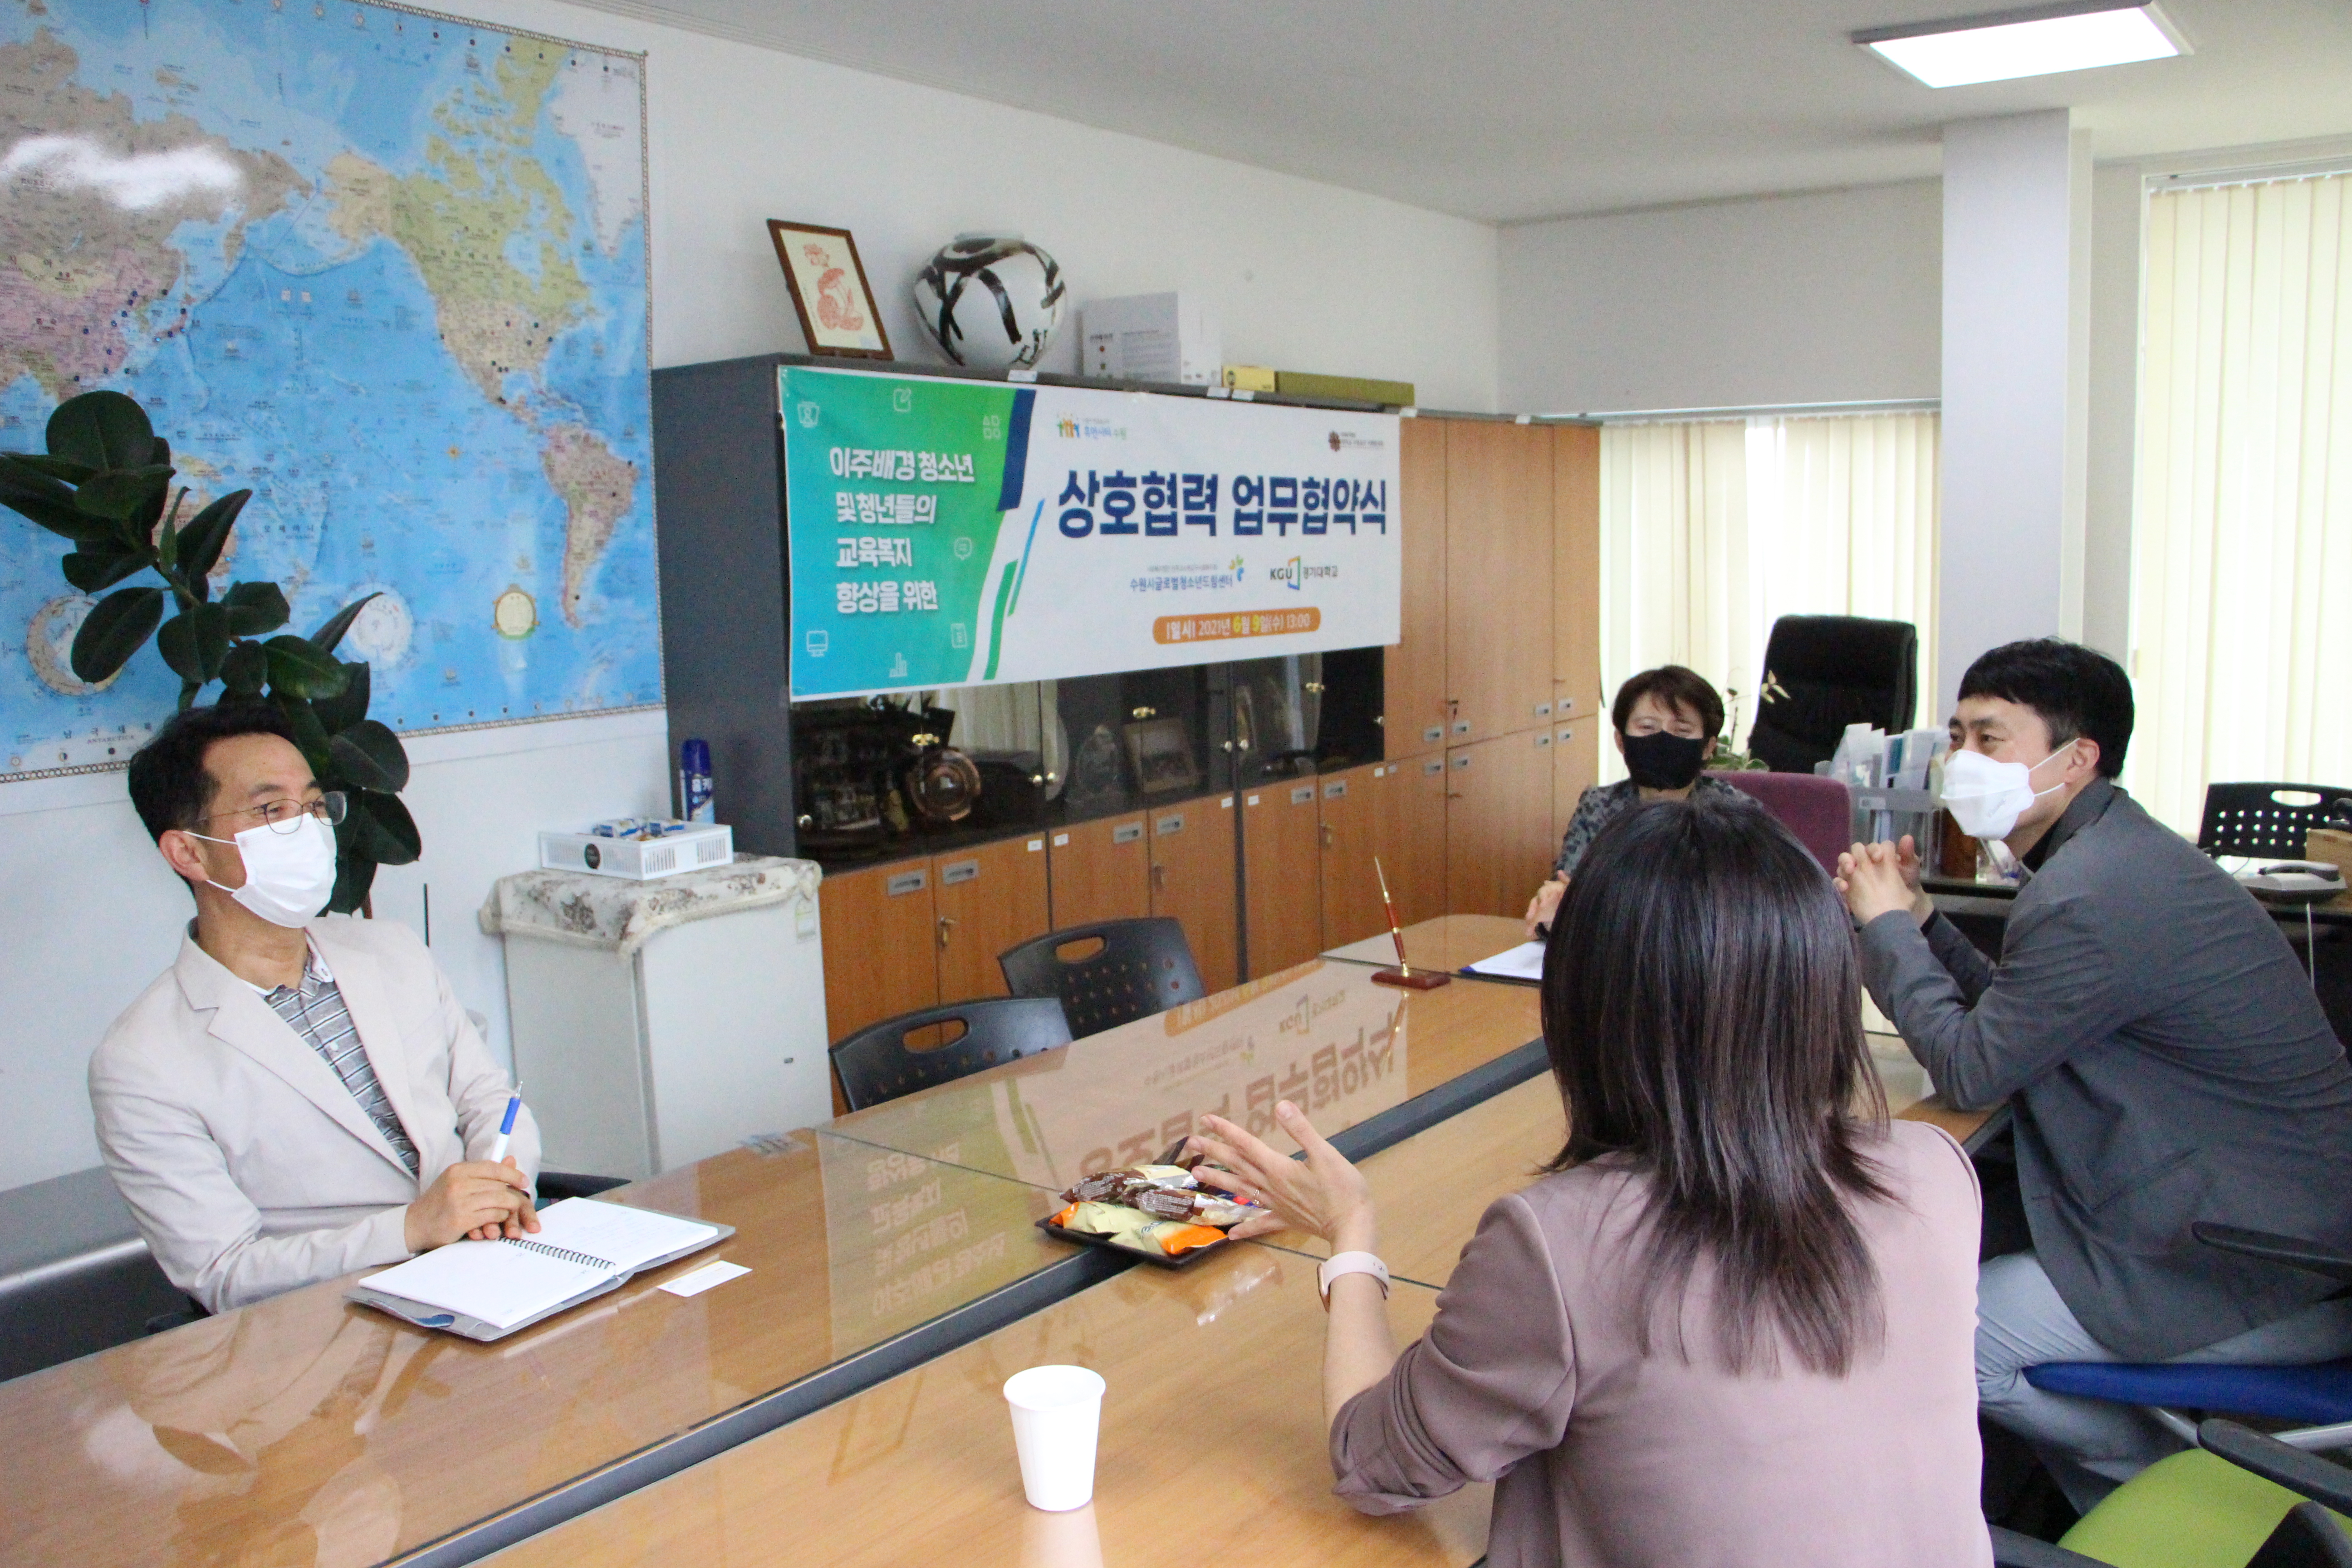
(297, 1097)
(2160, 1048)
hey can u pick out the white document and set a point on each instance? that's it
(1524, 962)
(624, 1237)
(704, 1278)
(583, 1246)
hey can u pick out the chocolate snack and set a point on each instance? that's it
(1162, 1202)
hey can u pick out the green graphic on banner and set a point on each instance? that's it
(895, 488)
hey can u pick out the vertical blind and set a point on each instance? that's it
(2241, 529)
(1710, 531)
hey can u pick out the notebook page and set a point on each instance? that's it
(625, 1237)
(501, 1285)
(1524, 962)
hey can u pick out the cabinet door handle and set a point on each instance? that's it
(1159, 878)
(1327, 835)
(947, 923)
(1454, 795)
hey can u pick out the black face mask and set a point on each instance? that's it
(1663, 761)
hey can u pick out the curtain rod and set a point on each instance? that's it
(2258, 175)
(1758, 410)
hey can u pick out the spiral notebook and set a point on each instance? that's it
(488, 1289)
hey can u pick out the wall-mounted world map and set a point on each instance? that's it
(386, 268)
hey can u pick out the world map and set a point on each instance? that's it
(387, 269)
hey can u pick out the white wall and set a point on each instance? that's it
(1305, 276)
(1829, 297)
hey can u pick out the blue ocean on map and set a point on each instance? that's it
(400, 293)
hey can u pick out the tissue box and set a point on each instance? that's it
(638, 849)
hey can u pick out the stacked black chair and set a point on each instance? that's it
(1822, 673)
(2250, 818)
(875, 1064)
(1107, 973)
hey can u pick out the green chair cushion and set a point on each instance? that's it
(2189, 1511)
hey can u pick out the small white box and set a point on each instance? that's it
(1167, 336)
(638, 849)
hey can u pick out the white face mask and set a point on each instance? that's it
(288, 877)
(1987, 797)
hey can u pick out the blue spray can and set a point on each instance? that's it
(694, 782)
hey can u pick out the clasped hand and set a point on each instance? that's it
(1882, 878)
(1323, 1194)
(473, 1200)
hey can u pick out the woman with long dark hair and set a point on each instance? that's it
(1734, 1322)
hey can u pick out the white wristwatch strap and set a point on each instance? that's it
(1350, 1263)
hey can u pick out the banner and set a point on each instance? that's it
(956, 532)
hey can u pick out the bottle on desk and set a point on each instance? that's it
(695, 802)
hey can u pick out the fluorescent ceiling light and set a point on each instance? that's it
(2041, 41)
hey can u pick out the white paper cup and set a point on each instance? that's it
(1057, 1412)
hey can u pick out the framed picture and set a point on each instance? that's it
(829, 290)
(1162, 755)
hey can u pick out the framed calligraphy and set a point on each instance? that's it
(829, 290)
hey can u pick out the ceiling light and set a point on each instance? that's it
(2037, 41)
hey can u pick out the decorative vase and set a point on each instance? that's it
(991, 302)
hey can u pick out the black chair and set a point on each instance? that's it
(2250, 818)
(1139, 968)
(1822, 673)
(875, 1064)
(556, 1185)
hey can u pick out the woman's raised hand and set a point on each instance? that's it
(1324, 1196)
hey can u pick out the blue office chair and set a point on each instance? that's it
(2318, 1397)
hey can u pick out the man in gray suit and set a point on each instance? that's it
(2157, 1043)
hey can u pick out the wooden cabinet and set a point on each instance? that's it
(985, 900)
(1576, 572)
(1575, 768)
(1413, 836)
(1354, 803)
(1497, 823)
(880, 942)
(1191, 855)
(1414, 708)
(1282, 916)
(1498, 578)
(1101, 871)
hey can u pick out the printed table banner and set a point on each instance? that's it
(957, 534)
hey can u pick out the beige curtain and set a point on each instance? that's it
(1712, 531)
(2241, 560)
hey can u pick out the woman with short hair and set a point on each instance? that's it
(1735, 1321)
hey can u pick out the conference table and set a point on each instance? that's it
(895, 1264)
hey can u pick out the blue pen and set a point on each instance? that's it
(506, 1127)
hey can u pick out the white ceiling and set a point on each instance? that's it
(1512, 109)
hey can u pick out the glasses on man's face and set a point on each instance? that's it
(286, 815)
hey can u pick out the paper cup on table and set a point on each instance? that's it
(1057, 1412)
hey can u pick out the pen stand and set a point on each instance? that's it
(1411, 979)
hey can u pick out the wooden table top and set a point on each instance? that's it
(1323, 1035)
(1212, 1451)
(307, 1429)
(1447, 942)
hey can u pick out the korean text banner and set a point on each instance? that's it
(954, 533)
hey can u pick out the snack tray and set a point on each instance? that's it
(1088, 1238)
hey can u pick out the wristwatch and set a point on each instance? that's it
(1350, 1263)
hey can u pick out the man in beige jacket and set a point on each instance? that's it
(297, 1097)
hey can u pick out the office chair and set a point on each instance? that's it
(876, 1063)
(1825, 672)
(2239, 1499)
(1142, 967)
(1818, 811)
(554, 1187)
(2250, 818)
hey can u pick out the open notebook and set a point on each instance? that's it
(1524, 962)
(488, 1289)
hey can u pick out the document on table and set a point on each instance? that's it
(486, 1289)
(1524, 962)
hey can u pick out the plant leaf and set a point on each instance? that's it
(103, 429)
(98, 566)
(297, 669)
(370, 755)
(42, 498)
(354, 874)
(310, 736)
(331, 630)
(349, 706)
(255, 609)
(167, 540)
(202, 541)
(245, 668)
(113, 630)
(195, 642)
(53, 468)
(120, 494)
(385, 833)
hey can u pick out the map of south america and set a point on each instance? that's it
(388, 269)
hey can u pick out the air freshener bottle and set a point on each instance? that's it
(694, 782)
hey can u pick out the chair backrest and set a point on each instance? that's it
(2250, 818)
(876, 1064)
(1818, 811)
(1139, 968)
(1822, 673)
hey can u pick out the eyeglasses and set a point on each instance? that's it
(286, 815)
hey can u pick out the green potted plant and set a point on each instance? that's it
(105, 484)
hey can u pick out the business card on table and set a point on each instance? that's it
(704, 1278)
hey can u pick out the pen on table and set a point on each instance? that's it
(1396, 932)
(506, 1127)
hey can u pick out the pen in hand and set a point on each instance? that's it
(506, 1127)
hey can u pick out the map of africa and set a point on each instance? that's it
(387, 269)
